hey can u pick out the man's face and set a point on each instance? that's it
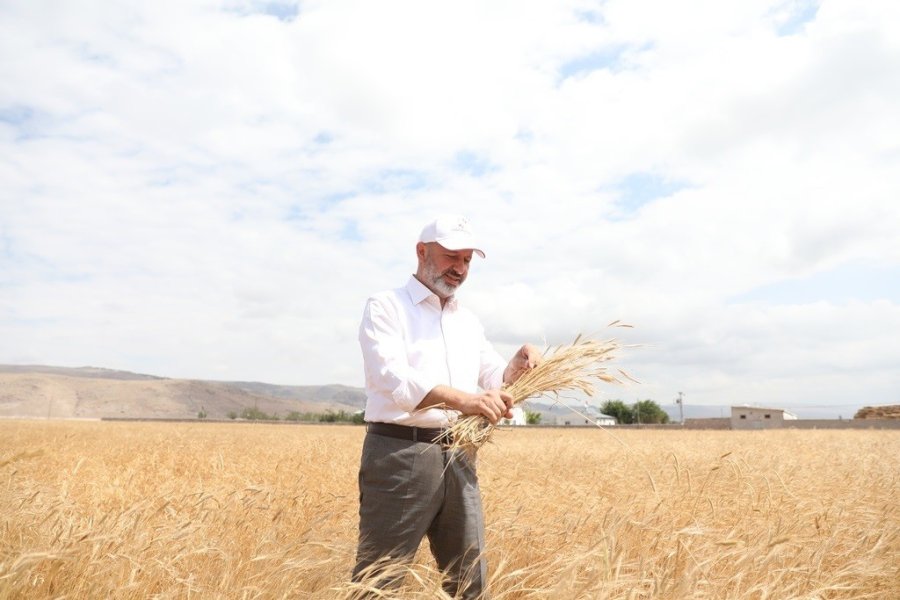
(442, 270)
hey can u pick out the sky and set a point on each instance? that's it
(212, 189)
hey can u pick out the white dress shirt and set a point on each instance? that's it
(410, 345)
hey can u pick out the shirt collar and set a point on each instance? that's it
(418, 293)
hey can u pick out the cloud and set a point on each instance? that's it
(208, 189)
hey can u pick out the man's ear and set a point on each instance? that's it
(420, 251)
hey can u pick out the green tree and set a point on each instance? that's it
(532, 417)
(618, 409)
(648, 411)
(332, 417)
(342, 416)
(254, 414)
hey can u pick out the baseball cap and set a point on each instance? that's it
(453, 232)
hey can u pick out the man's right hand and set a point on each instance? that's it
(491, 404)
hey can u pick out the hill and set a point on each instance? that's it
(550, 411)
(87, 372)
(90, 392)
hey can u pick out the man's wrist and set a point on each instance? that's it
(509, 375)
(446, 397)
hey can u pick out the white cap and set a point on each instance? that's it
(452, 232)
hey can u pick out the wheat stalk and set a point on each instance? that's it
(577, 367)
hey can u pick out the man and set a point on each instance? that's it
(426, 361)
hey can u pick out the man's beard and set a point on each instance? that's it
(444, 289)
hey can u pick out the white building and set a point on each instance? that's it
(518, 417)
(758, 417)
(591, 418)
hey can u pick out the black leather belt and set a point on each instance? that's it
(405, 432)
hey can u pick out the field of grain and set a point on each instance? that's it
(146, 510)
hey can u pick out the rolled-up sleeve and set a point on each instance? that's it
(490, 376)
(388, 372)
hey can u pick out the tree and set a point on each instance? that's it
(618, 409)
(299, 416)
(532, 417)
(648, 411)
(254, 414)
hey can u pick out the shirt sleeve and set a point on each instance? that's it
(490, 376)
(387, 367)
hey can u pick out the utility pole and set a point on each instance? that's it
(680, 402)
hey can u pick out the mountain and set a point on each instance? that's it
(340, 394)
(802, 412)
(550, 411)
(90, 392)
(88, 372)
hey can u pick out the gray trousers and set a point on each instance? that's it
(409, 490)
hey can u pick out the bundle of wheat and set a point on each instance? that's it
(878, 412)
(577, 367)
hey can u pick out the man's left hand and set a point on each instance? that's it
(527, 358)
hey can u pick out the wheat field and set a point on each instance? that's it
(206, 510)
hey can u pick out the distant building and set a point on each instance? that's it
(592, 417)
(518, 417)
(758, 417)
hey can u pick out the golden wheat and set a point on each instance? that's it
(141, 510)
(578, 367)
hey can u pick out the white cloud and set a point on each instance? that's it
(212, 190)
